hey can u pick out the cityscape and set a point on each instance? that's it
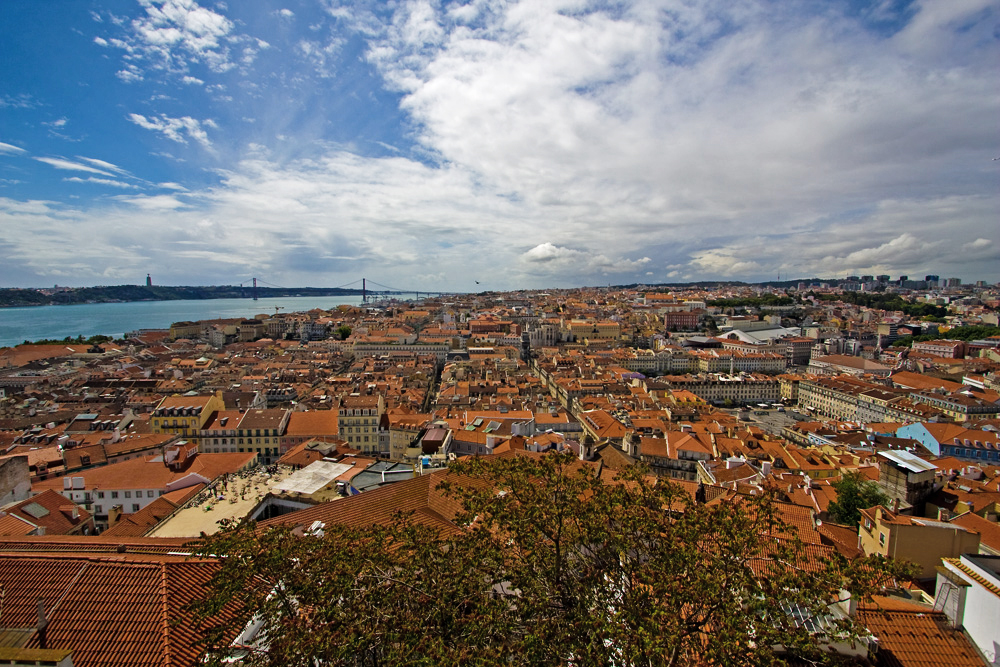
(866, 410)
(474, 332)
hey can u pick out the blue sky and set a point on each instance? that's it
(519, 144)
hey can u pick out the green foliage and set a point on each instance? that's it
(96, 339)
(343, 332)
(854, 493)
(967, 333)
(752, 301)
(553, 565)
(890, 302)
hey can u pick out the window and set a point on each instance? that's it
(128, 494)
(881, 539)
(100, 494)
(149, 494)
(114, 494)
(135, 507)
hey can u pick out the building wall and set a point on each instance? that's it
(15, 480)
(921, 544)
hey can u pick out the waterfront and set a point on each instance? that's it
(115, 319)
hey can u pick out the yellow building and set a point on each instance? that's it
(600, 330)
(921, 541)
(185, 415)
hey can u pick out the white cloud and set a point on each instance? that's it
(153, 202)
(102, 181)
(547, 252)
(173, 35)
(322, 57)
(192, 30)
(566, 141)
(285, 13)
(102, 164)
(176, 129)
(100, 41)
(130, 74)
(69, 165)
(21, 101)
(8, 148)
(191, 80)
(978, 244)
(550, 258)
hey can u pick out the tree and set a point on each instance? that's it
(549, 563)
(854, 493)
(343, 332)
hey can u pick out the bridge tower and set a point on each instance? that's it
(254, 289)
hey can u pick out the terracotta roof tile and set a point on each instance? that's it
(117, 610)
(919, 639)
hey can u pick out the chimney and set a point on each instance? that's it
(43, 624)
(895, 505)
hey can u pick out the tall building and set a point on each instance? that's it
(149, 280)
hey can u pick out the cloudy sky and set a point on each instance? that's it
(543, 143)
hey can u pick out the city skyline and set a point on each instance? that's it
(472, 146)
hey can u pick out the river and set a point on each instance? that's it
(115, 319)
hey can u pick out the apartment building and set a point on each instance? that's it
(358, 420)
(185, 416)
(922, 541)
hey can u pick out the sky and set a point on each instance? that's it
(494, 144)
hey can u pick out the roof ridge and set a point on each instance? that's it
(70, 585)
(165, 609)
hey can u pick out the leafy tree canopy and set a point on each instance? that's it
(548, 563)
(966, 333)
(891, 302)
(854, 493)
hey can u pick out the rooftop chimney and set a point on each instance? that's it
(43, 624)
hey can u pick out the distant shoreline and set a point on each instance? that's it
(23, 297)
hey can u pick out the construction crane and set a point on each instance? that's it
(277, 308)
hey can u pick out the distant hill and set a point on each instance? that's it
(119, 293)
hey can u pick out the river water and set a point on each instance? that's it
(114, 319)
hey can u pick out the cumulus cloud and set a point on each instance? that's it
(567, 141)
(173, 35)
(550, 258)
(176, 129)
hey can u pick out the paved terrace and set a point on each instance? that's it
(233, 499)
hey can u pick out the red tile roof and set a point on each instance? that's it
(113, 610)
(918, 638)
(51, 511)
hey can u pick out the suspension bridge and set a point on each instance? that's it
(376, 291)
